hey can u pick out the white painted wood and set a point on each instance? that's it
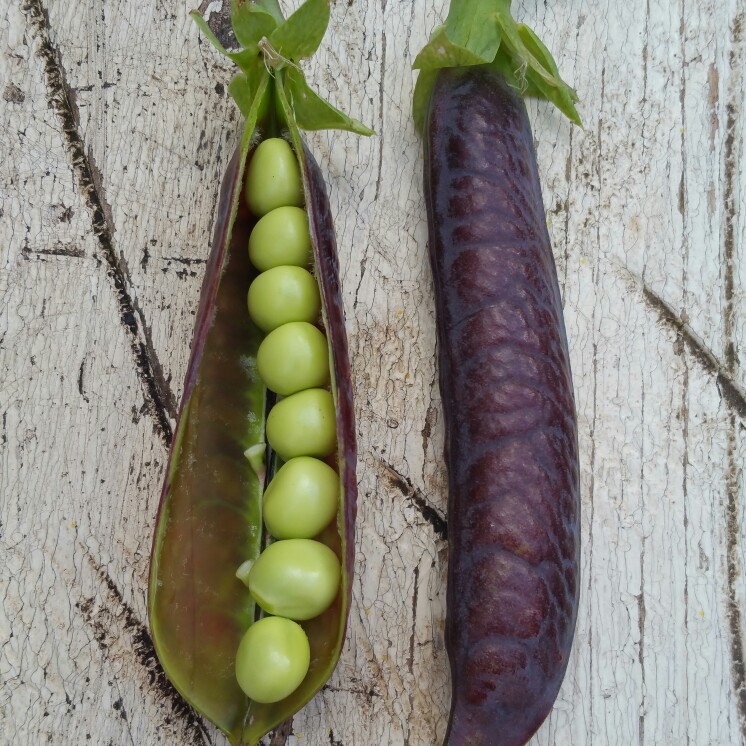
(111, 211)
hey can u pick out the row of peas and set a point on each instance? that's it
(295, 578)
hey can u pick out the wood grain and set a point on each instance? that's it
(116, 128)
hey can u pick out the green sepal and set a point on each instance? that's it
(537, 47)
(245, 59)
(273, 46)
(207, 32)
(479, 32)
(243, 87)
(422, 89)
(240, 91)
(534, 64)
(562, 95)
(441, 51)
(251, 23)
(473, 27)
(300, 36)
(273, 7)
(310, 111)
(471, 36)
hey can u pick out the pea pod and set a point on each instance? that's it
(505, 381)
(210, 515)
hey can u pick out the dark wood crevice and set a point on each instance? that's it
(730, 391)
(141, 645)
(160, 400)
(734, 570)
(438, 523)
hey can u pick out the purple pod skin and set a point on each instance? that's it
(511, 431)
(321, 224)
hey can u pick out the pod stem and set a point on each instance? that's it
(270, 44)
(483, 32)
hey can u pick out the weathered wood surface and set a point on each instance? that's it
(115, 129)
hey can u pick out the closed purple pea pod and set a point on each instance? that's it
(511, 430)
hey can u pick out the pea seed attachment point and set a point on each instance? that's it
(255, 456)
(244, 570)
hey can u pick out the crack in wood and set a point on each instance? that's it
(685, 247)
(158, 395)
(189, 261)
(733, 566)
(734, 397)
(641, 650)
(381, 110)
(280, 735)
(682, 109)
(141, 645)
(566, 214)
(410, 659)
(80, 382)
(731, 169)
(641, 597)
(438, 523)
(431, 418)
(73, 252)
(733, 574)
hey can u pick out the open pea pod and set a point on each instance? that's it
(210, 516)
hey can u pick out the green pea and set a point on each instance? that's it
(301, 500)
(281, 237)
(303, 424)
(293, 357)
(281, 295)
(295, 578)
(272, 659)
(273, 177)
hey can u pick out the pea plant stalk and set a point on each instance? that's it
(210, 521)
